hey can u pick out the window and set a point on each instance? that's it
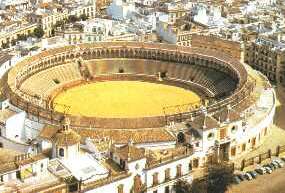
(233, 151)
(197, 144)
(61, 152)
(167, 174)
(167, 189)
(196, 163)
(42, 167)
(243, 147)
(190, 166)
(155, 178)
(222, 133)
(234, 129)
(179, 171)
(121, 188)
(211, 136)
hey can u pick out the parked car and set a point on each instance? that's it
(279, 163)
(261, 170)
(271, 166)
(275, 165)
(248, 176)
(253, 174)
(241, 177)
(236, 179)
(268, 169)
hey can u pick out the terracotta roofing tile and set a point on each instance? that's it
(123, 136)
(225, 114)
(48, 132)
(204, 122)
(129, 152)
(63, 138)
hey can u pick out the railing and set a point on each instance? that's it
(170, 180)
(104, 181)
(59, 56)
(257, 159)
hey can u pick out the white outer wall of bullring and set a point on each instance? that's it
(256, 131)
(243, 135)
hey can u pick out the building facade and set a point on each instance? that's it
(268, 56)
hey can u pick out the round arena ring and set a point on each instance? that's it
(219, 79)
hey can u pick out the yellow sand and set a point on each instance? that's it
(122, 99)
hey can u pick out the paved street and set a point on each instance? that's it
(268, 183)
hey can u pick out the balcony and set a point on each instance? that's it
(170, 180)
(225, 140)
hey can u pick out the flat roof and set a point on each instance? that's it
(88, 170)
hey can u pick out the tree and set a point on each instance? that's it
(39, 32)
(220, 177)
(22, 37)
(196, 186)
(5, 45)
(13, 42)
(73, 18)
(83, 17)
(182, 186)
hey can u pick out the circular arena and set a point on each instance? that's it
(126, 85)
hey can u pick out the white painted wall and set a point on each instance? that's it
(8, 64)
(32, 128)
(158, 145)
(11, 175)
(15, 127)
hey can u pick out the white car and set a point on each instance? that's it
(279, 163)
(248, 176)
(260, 170)
(268, 169)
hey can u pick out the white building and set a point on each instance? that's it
(121, 10)
(209, 16)
(7, 61)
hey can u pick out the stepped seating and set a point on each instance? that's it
(43, 83)
(196, 74)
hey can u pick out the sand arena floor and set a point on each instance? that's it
(123, 99)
